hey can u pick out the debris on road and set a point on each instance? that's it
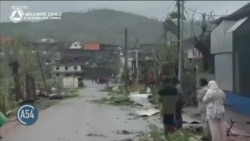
(115, 99)
(124, 132)
(95, 135)
(147, 112)
(126, 140)
(55, 96)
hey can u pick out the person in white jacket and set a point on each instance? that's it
(202, 109)
(214, 100)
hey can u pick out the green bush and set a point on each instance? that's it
(6, 101)
(118, 98)
(158, 135)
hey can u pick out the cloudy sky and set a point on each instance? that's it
(157, 9)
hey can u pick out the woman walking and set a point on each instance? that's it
(214, 100)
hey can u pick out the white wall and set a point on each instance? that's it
(221, 40)
(76, 45)
(70, 82)
(224, 71)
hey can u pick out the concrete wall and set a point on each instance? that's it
(221, 40)
(70, 82)
(224, 71)
(227, 76)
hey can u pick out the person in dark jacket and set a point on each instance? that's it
(179, 104)
(168, 98)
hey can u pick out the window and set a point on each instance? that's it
(75, 67)
(57, 74)
(66, 68)
(57, 68)
(67, 74)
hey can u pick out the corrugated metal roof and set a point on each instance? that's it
(237, 15)
(237, 25)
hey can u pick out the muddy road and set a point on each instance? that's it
(81, 119)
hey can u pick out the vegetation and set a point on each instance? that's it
(22, 73)
(7, 103)
(117, 97)
(158, 135)
(72, 93)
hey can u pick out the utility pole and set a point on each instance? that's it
(137, 66)
(126, 60)
(180, 37)
(178, 23)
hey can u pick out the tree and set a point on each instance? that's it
(168, 56)
(202, 42)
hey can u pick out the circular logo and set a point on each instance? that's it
(17, 15)
(27, 114)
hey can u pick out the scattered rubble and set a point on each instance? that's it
(147, 112)
(127, 140)
(55, 96)
(124, 132)
(95, 135)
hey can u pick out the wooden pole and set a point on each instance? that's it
(126, 59)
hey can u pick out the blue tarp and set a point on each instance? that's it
(238, 102)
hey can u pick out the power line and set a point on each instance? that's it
(200, 13)
(170, 6)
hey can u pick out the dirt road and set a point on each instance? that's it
(80, 119)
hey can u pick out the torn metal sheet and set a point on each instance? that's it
(141, 99)
(148, 91)
(148, 112)
(190, 120)
(138, 95)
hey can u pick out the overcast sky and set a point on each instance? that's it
(157, 9)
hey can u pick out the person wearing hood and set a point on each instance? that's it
(202, 109)
(214, 100)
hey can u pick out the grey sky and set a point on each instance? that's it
(157, 9)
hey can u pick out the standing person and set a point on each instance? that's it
(168, 98)
(214, 100)
(202, 108)
(179, 104)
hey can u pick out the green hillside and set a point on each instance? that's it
(101, 25)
